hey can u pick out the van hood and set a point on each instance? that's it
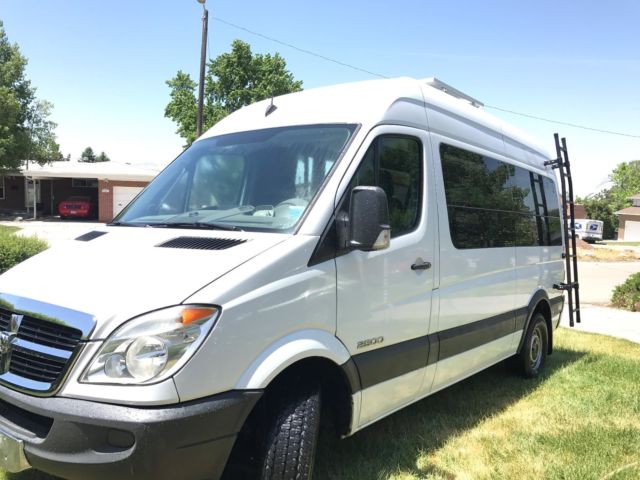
(121, 272)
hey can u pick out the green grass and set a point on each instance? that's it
(6, 230)
(580, 420)
(623, 244)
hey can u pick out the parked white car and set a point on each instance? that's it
(330, 255)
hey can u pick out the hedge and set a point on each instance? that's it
(15, 249)
(627, 295)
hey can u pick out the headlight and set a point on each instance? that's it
(151, 347)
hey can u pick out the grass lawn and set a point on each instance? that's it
(624, 244)
(580, 420)
(4, 229)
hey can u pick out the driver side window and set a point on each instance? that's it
(394, 163)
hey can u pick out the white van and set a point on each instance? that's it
(588, 230)
(331, 255)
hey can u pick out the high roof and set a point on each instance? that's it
(99, 170)
(372, 103)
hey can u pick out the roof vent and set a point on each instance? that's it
(201, 243)
(90, 236)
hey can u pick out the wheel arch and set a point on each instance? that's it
(309, 354)
(539, 303)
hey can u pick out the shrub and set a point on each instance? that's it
(15, 249)
(627, 295)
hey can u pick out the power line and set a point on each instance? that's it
(308, 52)
(379, 75)
(575, 125)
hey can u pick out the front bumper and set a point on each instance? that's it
(78, 439)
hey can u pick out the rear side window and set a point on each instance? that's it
(394, 163)
(494, 204)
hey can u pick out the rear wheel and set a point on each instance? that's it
(533, 354)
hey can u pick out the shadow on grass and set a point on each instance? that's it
(395, 443)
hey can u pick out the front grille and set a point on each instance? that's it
(41, 350)
(49, 334)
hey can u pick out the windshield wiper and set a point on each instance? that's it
(197, 225)
(125, 224)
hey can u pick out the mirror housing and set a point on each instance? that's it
(369, 226)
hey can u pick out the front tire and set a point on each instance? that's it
(292, 438)
(533, 354)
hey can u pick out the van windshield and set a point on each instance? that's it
(256, 180)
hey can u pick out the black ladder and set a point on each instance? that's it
(568, 221)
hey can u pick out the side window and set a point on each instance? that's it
(394, 163)
(495, 204)
(1, 187)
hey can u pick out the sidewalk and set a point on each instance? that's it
(606, 321)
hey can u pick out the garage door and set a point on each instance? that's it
(631, 231)
(122, 196)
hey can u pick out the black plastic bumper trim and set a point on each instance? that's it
(90, 440)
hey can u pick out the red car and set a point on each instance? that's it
(75, 207)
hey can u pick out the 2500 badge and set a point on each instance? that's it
(369, 342)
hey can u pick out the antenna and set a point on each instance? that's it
(270, 109)
(454, 92)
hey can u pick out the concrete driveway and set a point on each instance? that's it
(53, 231)
(598, 279)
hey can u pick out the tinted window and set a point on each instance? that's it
(394, 163)
(495, 204)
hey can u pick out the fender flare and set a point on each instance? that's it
(292, 348)
(526, 313)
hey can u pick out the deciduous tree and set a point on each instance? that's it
(233, 80)
(25, 131)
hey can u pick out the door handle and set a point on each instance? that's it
(421, 265)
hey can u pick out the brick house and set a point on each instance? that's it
(629, 221)
(109, 185)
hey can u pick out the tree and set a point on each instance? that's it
(25, 131)
(625, 182)
(87, 155)
(102, 157)
(233, 80)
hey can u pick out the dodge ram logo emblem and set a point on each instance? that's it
(6, 342)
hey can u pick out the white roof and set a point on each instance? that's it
(99, 170)
(391, 101)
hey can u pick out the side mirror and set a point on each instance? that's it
(369, 227)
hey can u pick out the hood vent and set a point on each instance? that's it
(201, 243)
(90, 236)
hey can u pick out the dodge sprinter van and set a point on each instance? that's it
(328, 256)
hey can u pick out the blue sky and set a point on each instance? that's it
(104, 64)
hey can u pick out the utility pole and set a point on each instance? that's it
(203, 55)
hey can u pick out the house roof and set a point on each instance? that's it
(635, 197)
(99, 170)
(629, 211)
